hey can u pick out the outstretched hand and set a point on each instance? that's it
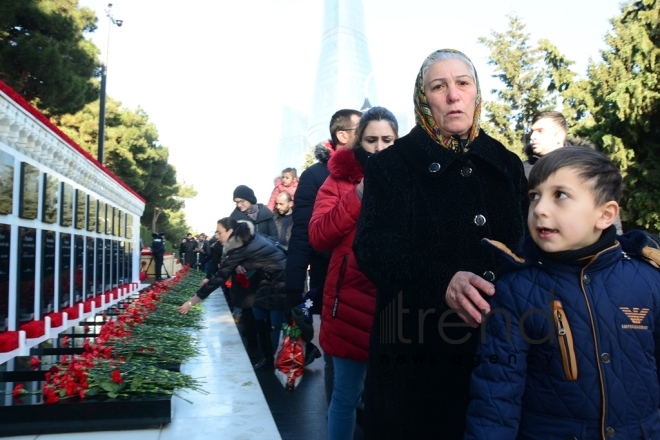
(465, 293)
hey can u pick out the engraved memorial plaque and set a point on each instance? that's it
(78, 266)
(90, 289)
(47, 271)
(27, 247)
(98, 257)
(65, 270)
(5, 252)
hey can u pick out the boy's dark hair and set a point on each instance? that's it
(591, 165)
(341, 120)
(293, 172)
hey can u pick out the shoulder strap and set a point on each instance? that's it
(651, 256)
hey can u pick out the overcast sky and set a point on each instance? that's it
(213, 75)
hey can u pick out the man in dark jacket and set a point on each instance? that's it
(187, 248)
(283, 218)
(300, 254)
(158, 251)
(248, 209)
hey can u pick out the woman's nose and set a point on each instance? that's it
(452, 93)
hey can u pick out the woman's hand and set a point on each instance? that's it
(186, 306)
(240, 270)
(464, 293)
(204, 281)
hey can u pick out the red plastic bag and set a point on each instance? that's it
(290, 357)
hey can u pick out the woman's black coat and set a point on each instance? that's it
(258, 254)
(424, 212)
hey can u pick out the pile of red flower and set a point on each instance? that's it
(106, 367)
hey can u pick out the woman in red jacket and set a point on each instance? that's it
(349, 298)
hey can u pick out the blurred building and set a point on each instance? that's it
(344, 75)
(292, 146)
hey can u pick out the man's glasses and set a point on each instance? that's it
(240, 202)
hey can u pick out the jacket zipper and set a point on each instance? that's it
(340, 279)
(565, 342)
(596, 347)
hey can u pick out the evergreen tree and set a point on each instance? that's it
(625, 88)
(134, 155)
(44, 55)
(517, 66)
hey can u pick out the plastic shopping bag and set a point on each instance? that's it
(290, 357)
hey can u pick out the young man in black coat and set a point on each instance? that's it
(300, 254)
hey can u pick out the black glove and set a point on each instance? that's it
(293, 299)
(306, 330)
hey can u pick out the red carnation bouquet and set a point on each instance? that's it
(290, 357)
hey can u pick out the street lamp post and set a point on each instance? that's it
(104, 79)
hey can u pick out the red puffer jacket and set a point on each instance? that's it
(349, 298)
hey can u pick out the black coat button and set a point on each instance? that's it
(466, 171)
(571, 437)
(586, 279)
(609, 431)
(479, 220)
(605, 358)
(489, 276)
(434, 167)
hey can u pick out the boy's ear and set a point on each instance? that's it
(609, 213)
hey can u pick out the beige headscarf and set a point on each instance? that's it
(424, 117)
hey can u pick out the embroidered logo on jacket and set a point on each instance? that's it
(636, 316)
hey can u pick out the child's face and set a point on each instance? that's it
(287, 179)
(563, 214)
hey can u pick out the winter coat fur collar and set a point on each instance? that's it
(323, 151)
(344, 166)
(234, 242)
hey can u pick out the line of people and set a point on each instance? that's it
(411, 244)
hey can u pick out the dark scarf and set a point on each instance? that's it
(362, 156)
(606, 240)
(252, 212)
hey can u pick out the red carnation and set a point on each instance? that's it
(34, 362)
(18, 390)
(116, 377)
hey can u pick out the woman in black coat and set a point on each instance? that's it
(254, 252)
(428, 201)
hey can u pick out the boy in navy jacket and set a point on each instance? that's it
(569, 348)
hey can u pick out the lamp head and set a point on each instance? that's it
(119, 22)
